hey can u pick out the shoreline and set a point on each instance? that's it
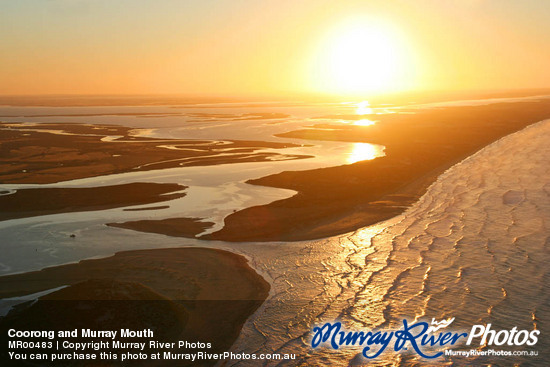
(29, 282)
(209, 292)
(336, 200)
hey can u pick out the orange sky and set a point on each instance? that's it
(246, 47)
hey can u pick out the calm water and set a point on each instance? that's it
(212, 194)
(475, 247)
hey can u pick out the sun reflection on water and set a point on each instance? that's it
(363, 108)
(364, 152)
(364, 122)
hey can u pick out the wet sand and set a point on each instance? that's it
(419, 147)
(195, 293)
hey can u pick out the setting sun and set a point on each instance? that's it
(362, 56)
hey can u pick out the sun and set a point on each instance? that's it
(361, 56)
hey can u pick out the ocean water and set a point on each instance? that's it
(476, 247)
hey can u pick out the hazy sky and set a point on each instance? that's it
(246, 47)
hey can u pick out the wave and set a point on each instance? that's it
(474, 247)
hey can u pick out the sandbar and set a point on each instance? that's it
(194, 294)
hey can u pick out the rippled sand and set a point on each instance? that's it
(475, 247)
